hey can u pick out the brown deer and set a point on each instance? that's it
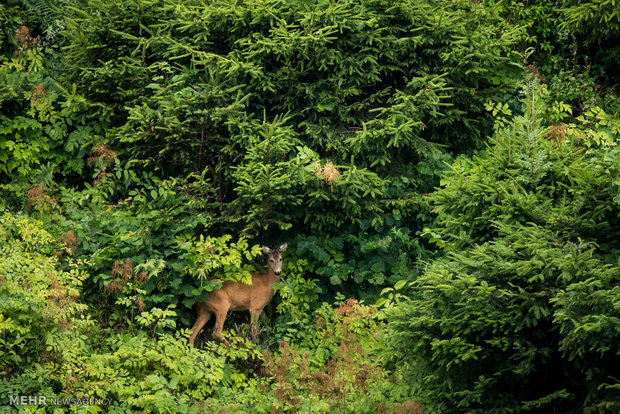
(238, 296)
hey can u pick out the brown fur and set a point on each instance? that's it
(237, 296)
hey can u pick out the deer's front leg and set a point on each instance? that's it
(254, 314)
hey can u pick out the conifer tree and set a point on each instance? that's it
(523, 314)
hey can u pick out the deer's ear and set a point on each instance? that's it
(266, 249)
(283, 247)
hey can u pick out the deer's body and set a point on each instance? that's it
(237, 296)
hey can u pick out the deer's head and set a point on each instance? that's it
(275, 258)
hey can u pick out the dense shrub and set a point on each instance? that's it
(39, 123)
(39, 307)
(302, 120)
(326, 367)
(309, 114)
(52, 346)
(522, 314)
(149, 147)
(597, 22)
(331, 66)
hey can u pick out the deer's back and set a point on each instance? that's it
(240, 296)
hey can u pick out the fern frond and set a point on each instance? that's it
(44, 174)
(48, 10)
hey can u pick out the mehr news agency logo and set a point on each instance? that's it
(43, 400)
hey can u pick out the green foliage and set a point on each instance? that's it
(273, 48)
(254, 95)
(528, 292)
(298, 293)
(368, 257)
(313, 115)
(268, 184)
(46, 10)
(52, 347)
(532, 170)
(271, 189)
(210, 257)
(10, 18)
(38, 307)
(324, 368)
(38, 122)
(157, 318)
(541, 20)
(122, 240)
(571, 38)
(163, 375)
(147, 148)
(185, 113)
(598, 20)
(318, 116)
(211, 261)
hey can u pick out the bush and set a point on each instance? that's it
(39, 308)
(51, 346)
(244, 93)
(522, 315)
(136, 372)
(326, 366)
(41, 122)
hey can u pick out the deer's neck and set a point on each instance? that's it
(272, 277)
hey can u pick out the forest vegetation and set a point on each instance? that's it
(446, 175)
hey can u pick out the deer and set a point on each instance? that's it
(238, 296)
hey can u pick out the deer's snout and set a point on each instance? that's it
(277, 272)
